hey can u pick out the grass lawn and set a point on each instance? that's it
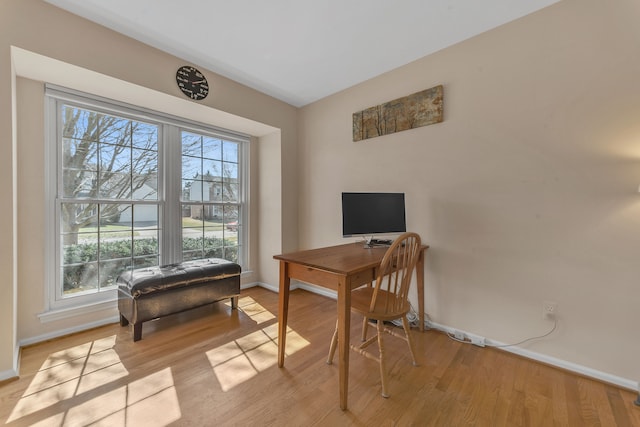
(194, 223)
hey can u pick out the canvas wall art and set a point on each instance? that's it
(409, 112)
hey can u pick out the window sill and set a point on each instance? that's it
(65, 313)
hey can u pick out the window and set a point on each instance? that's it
(134, 189)
(108, 200)
(210, 197)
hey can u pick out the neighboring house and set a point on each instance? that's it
(208, 188)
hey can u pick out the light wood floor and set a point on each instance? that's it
(208, 367)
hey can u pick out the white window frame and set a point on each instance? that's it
(169, 189)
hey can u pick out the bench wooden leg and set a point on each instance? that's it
(234, 302)
(123, 321)
(137, 332)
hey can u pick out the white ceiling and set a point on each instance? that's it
(300, 51)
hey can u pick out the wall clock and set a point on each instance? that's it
(192, 82)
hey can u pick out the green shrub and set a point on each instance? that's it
(84, 269)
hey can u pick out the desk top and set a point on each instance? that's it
(346, 259)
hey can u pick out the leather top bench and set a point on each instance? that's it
(149, 293)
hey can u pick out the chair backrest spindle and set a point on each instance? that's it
(395, 273)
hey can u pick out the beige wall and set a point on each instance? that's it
(526, 192)
(71, 51)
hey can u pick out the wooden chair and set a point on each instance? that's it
(387, 300)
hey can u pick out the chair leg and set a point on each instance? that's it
(365, 325)
(332, 347)
(383, 370)
(407, 331)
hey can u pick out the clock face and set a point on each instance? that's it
(192, 82)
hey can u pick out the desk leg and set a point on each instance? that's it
(344, 325)
(283, 311)
(420, 282)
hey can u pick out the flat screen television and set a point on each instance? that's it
(372, 213)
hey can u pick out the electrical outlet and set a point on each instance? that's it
(459, 335)
(549, 309)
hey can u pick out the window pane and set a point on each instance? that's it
(145, 176)
(144, 161)
(191, 144)
(213, 233)
(78, 223)
(230, 171)
(115, 186)
(146, 233)
(215, 192)
(145, 136)
(192, 245)
(143, 262)
(212, 168)
(231, 213)
(214, 252)
(77, 278)
(145, 246)
(114, 130)
(191, 255)
(230, 152)
(194, 218)
(191, 167)
(230, 192)
(78, 123)
(115, 177)
(79, 248)
(145, 217)
(213, 242)
(115, 217)
(231, 253)
(115, 245)
(80, 163)
(79, 183)
(75, 216)
(79, 154)
(207, 191)
(191, 190)
(233, 225)
(145, 187)
(110, 270)
(115, 158)
(211, 148)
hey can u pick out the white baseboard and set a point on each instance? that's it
(12, 373)
(298, 285)
(249, 285)
(67, 331)
(8, 374)
(318, 290)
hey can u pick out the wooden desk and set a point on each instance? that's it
(341, 268)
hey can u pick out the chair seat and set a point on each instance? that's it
(361, 303)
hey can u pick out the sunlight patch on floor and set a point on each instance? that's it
(88, 384)
(238, 361)
(255, 311)
(67, 377)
